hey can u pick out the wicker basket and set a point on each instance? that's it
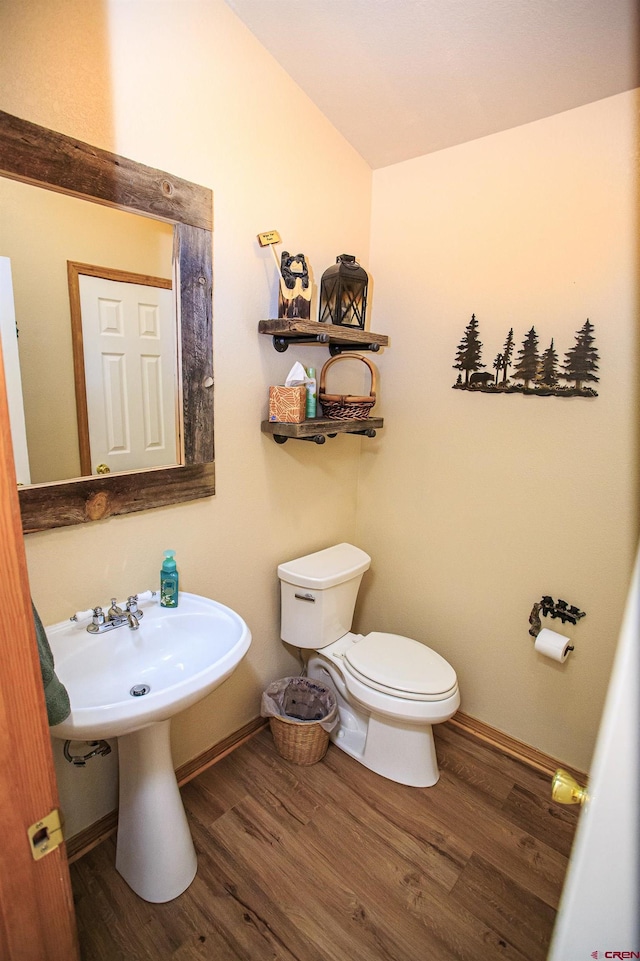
(303, 742)
(301, 713)
(347, 406)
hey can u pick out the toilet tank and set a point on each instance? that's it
(318, 594)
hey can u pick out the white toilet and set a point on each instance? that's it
(390, 689)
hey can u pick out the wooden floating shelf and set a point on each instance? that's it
(317, 429)
(311, 332)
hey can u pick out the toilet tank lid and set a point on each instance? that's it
(326, 568)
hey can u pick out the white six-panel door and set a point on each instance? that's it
(130, 361)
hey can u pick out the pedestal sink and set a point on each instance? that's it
(128, 684)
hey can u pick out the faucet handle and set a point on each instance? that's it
(81, 615)
(98, 616)
(146, 596)
(114, 610)
(132, 604)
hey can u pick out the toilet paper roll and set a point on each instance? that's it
(556, 646)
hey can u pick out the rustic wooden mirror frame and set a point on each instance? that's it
(42, 157)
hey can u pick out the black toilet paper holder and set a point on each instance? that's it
(548, 607)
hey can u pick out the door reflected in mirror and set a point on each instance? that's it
(125, 360)
(40, 231)
(179, 216)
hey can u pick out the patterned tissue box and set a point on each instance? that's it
(287, 404)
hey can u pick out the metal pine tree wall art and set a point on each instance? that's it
(530, 369)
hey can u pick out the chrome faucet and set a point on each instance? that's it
(116, 616)
(132, 613)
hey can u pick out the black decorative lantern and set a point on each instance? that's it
(343, 293)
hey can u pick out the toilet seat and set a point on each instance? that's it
(401, 667)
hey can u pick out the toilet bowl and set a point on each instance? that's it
(390, 689)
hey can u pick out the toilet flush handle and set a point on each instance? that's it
(306, 597)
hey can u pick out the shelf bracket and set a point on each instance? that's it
(314, 439)
(321, 438)
(281, 342)
(335, 348)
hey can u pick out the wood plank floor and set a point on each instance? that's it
(334, 863)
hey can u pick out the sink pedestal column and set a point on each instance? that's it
(155, 853)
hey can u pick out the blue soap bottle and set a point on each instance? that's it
(169, 581)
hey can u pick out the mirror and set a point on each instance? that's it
(44, 158)
(56, 244)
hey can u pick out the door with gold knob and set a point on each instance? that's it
(36, 903)
(126, 368)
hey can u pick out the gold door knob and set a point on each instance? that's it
(566, 790)
(103, 469)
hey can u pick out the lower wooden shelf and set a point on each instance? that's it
(318, 429)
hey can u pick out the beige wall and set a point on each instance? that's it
(473, 505)
(184, 87)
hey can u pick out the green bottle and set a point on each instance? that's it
(311, 398)
(169, 581)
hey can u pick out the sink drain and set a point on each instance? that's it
(139, 689)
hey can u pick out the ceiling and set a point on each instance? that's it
(402, 78)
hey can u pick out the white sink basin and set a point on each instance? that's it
(180, 653)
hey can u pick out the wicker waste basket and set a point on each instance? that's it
(302, 713)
